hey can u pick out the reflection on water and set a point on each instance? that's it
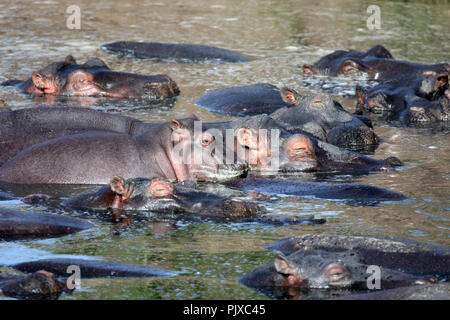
(283, 35)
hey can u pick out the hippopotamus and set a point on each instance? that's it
(15, 224)
(179, 52)
(92, 268)
(159, 195)
(343, 191)
(319, 115)
(437, 291)
(242, 101)
(164, 150)
(94, 78)
(23, 128)
(377, 63)
(419, 100)
(182, 199)
(268, 147)
(40, 285)
(325, 119)
(5, 196)
(400, 254)
(318, 269)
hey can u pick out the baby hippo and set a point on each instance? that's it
(159, 195)
(320, 269)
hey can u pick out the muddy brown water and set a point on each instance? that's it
(282, 35)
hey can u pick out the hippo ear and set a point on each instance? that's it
(117, 185)
(38, 80)
(247, 138)
(70, 59)
(442, 80)
(308, 70)
(282, 266)
(379, 51)
(290, 96)
(193, 116)
(95, 62)
(175, 124)
(350, 66)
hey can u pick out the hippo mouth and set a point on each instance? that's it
(220, 173)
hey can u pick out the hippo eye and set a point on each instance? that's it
(336, 272)
(303, 152)
(206, 141)
(60, 82)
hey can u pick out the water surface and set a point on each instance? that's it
(283, 35)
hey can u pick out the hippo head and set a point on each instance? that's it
(433, 85)
(273, 150)
(325, 119)
(348, 63)
(317, 269)
(94, 78)
(205, 155)
(160, 195)
(298, 153)
(418, 94)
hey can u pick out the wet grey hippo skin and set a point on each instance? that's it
(415, 101)
(174, 51)
(15, 224)
(400, 254)
(94, 78)
(93, 268)
(376, 63)
(244, 100)
(357, 192)
(439, 291)
(23, 128)
(318, 269)
(94, 156)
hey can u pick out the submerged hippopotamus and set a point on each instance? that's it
(377, 64)
(90, 268)
(412, 101)
(40, 285)
(183, 200)
(318, 269)
(164, 150)
(326, 119)
(159, 195)
(319, 115)
(268, 147)
(174, 51)
(94, 78)
(343, 191)
(394, 253)
(15, 224)
(242, 101)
